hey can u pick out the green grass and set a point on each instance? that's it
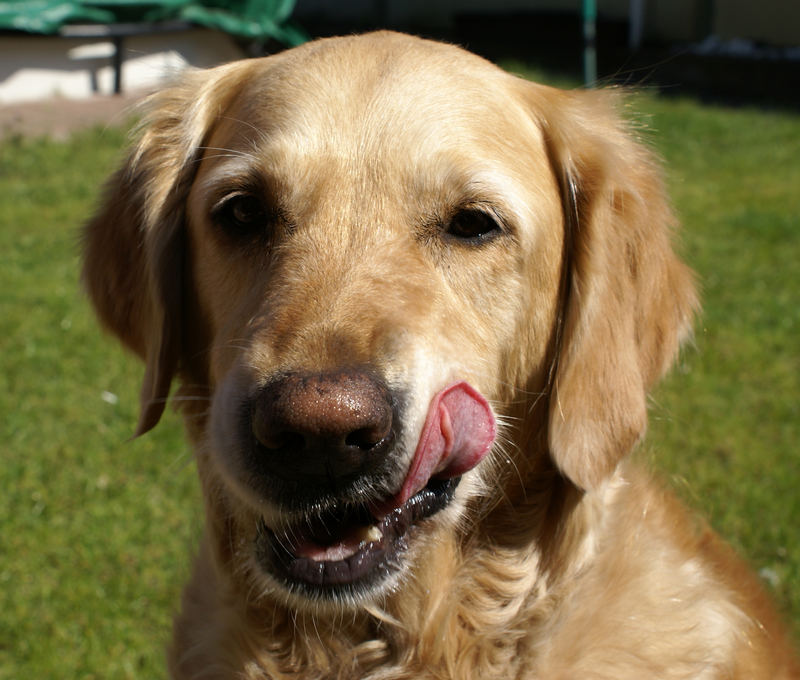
(726, 424)
(96, 531)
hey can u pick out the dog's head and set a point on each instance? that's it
(366, 251)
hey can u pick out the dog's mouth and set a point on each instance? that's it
(347, 547)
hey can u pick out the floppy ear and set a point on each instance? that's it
(133, 247)
(627, 299)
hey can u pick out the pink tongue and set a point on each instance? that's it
(458, 433)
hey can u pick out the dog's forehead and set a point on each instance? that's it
(368, 116)
(376, 95)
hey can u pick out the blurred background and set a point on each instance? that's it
(731, 48)
(97, 530)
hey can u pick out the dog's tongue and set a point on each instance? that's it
(458, 433)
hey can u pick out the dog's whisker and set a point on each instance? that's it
(197, 161)
(233, 153)
(380, 614)
(179, 398)
(316, 629)
(261, 134)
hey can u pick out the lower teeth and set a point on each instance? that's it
(371, 534)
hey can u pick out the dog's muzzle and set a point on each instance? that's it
(325, 452)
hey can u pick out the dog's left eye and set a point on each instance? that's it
(472, 226)
(240, 213)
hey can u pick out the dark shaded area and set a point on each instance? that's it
(553, 41)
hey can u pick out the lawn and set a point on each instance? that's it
(96, 530)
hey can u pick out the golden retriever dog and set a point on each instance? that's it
(414, 306)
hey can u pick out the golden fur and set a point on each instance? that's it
(557, 558)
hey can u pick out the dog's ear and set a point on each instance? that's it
(627, 300)
(133, 247)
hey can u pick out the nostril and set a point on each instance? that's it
(367, 438)
(277, 441)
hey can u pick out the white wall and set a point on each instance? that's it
(40, 67)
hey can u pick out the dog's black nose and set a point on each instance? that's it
(322, 428)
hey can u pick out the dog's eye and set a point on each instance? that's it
(241, 213)
(473, 226)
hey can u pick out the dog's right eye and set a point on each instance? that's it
(241, 214)
(473, 226)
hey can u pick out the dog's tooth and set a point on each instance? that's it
(371, 534)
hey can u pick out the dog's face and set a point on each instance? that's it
(358, 250)
(361, 249)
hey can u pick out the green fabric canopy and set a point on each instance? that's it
(253, 19)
